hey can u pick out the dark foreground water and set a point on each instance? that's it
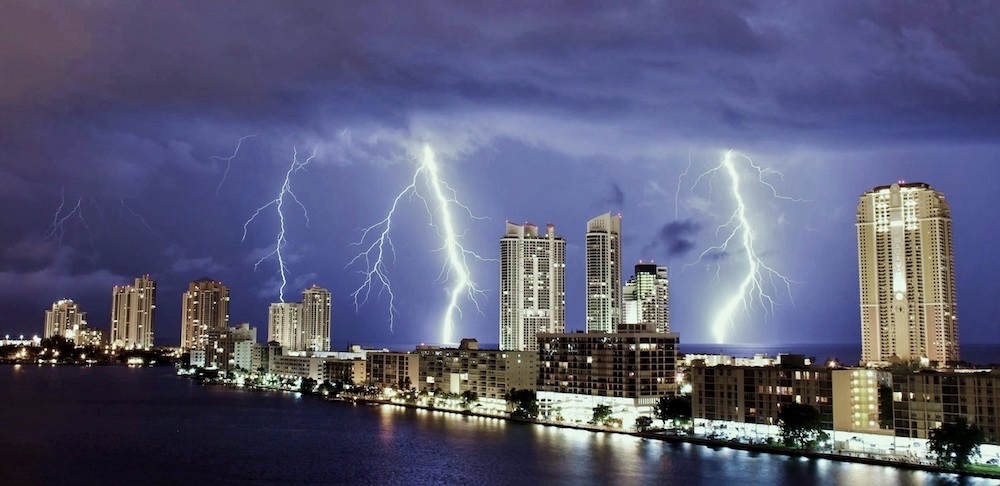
(115, 425)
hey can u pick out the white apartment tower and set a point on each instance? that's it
(646, 297)
(132, 314)
(66, 320)
(206, 308)
(284, 324)
(604, 273)
(532, 286)
(316, 316)
(907, 275)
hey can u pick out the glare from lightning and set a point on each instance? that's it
(229, 161)
(378, 249)
(279, 206)
(758, 287)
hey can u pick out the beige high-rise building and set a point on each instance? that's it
(316, 316)
(65, 319)
(604, 273)
(206, 308)
(532, 286)
(646, 297)
(907, 275)
(284, 324)
(133, 310)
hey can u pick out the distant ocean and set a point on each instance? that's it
(845, 353)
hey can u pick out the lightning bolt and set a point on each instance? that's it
(377, 250)
(279, 202)
(58, 227)
(229, 161)
(761, 280)
(136, 215)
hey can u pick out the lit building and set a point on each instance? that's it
(206, 307)
(65, 319)
(646, 297)
(907, 277)
(923, 401)
(284, 324)
(315, 319)
(393, 370)
(347, 371)
(133, 310)
(90, 337)
(532, 286)
(230, 348)
(491, 373)
(604, 273)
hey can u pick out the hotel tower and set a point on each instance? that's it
(604, 273)
(532, 286)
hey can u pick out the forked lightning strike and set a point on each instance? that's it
(278, 203)
(456, 267)
(229, 161)
(760, 279)
(58, 227)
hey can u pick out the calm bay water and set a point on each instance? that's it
(116, 425)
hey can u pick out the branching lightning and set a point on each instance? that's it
(136, 215)
(229, 161)
(379, 248)
(278, 202)
(761, 281)
(58, 227)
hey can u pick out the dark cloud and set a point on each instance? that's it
(616, 197)
(675, 239)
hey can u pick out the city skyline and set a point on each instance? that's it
(147, 147)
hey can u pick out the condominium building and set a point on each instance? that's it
(206, 307)
(532, 286)
(491, 373)
(393, 370)
(907, 275)
(925, 400)
(316, 316)
(646, 297)
(231, 348)
(604, 273)
(65, 319)
(284, 325)
(133, 310)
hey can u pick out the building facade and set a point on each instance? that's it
(133, 312)
(532, 286)
(646, 297)
(315, 321)
(907, 275)
(206, 308)
(925, 400)
(65, 319)
(393, 370)
(284, 324)
(491, 373)
(604, 273)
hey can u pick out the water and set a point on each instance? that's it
(116, 425)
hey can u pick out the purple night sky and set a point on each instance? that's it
(547, 112)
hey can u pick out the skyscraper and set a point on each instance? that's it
(604, 273)
(646, 297)
(132, 314)
(907, 277)
(532, 286)
(315, 321)
(284, 324)
(206, 308)
(65, 319)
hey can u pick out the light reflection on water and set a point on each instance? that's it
(145, 426)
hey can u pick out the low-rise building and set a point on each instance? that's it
(285, 366)
(490, 373)
(925, 400)
(348, 371)
(393, 370)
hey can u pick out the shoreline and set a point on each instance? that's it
(867, 459)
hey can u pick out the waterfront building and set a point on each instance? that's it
(393, 370)
(90, 337)
(604, 273)
(907, 275)
(491, 373)
(206, 307)
(65, 319)
(230, 348)
(296, 366)
(532, 286)
(646, 297)
(261, 355)
(315, 321)
(284, 324)
(925, 400)
(348, 371)
(628, 370)
(133, 311)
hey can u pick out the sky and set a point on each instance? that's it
(140, 138)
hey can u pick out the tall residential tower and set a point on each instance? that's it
(206, 308)
(646, 297)
(132, 314)
(907, 276)
(65, 319)
(532, 286)
(604, 273)
(316, 316)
